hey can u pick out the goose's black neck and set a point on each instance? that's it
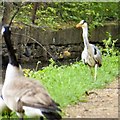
(11, 53)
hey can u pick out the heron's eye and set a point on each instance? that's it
(82, 22)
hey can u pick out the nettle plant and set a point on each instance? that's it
(109, 46)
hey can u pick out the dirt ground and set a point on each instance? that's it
(102, 103)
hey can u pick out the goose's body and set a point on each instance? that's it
(23, 95)
(3, 107)
(91, 55)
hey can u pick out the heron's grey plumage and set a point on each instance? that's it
(91, 55)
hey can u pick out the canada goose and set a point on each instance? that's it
(3, 107)
(24, 95)
(91, 55)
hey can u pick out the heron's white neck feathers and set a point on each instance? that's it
(85, 36)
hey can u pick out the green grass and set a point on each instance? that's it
(67, 84)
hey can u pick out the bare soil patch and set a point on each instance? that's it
(102, 103)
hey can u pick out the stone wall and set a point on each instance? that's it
(60, 45)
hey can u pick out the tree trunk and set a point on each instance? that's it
(6, 13)
(34, 10)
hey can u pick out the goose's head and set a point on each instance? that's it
(82, 24)
(5, 31)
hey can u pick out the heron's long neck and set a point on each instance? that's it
(85, 36)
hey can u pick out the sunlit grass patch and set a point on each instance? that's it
(67, 84)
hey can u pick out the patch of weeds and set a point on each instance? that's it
(67, 84)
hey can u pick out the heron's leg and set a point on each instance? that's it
(91, 71)
(96, 66)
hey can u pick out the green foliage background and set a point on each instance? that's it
(56, 14)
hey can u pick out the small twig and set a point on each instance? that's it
(37, 43)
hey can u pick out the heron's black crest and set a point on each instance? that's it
(84, 21)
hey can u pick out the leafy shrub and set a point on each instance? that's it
(109, 44)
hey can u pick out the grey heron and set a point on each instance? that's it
(91, 55)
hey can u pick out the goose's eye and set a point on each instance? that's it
(3, 30)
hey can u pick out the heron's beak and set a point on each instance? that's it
(78, 25)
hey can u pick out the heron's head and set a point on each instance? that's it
(82, 24)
